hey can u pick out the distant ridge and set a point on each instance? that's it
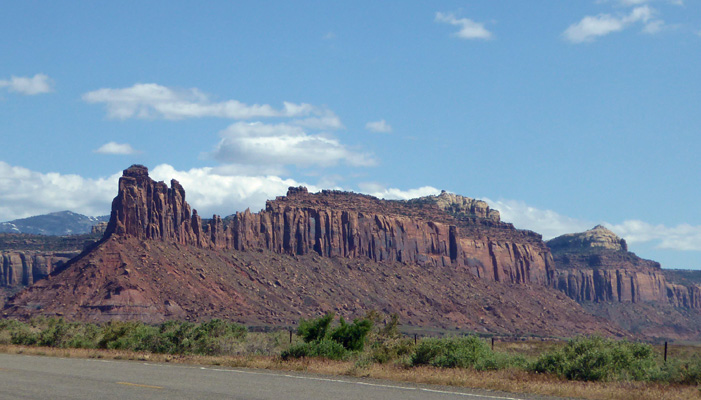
(56, 224)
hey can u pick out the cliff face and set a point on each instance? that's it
(595, 266)
(437, 231)
(23, 268)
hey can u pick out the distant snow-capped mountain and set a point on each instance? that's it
(57, 223)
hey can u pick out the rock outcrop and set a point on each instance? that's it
(595, 266)
(597, 237)
(23, 268)
(438, 231)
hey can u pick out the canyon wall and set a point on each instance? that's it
(23, 268)
(595, 266)
(446, 231)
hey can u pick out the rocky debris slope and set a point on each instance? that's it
(19, 269)
(438, 231)
(596, 266)
(153, 281)
(437, 261)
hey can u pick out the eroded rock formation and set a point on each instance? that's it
(596, 266)
(438, 231)
(23, 268)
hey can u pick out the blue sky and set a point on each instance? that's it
(560, 117)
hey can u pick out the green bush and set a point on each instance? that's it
(598, 359)
(385, 350)
(321, 341)
(453, 352)
(682, 372)
(216, 337)
(315, 329)
(352, 336)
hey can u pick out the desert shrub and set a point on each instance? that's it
(19, 333)
(352, 336)
(454, 352)
(135, 336)
(315, 329)
(597, 359)
(61, 333)
(325, 348)
(216, 337)
(385, 350)
(322, 341)
(686, 372)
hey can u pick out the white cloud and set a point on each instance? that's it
(683, 237)
(593, 27)
(283, 144)
(212, 193)
(150, 100)
(325, 120)
(37, 84)
(116, 148)
(382, 192)
(24, 193)
(469, 29)
(546, 222)
(550, 224)
(379, 126)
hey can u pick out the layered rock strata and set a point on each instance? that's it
(595, 266)
(23, 268)
(438, 231)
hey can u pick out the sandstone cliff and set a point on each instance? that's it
(23, 268)
(438, 231)
(596, 266)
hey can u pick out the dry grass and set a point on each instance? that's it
(514, 381)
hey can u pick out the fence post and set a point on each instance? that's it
(290, 336)
(665, 351)
(492, 343)
(414, 339)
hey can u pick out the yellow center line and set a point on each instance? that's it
(139, 385)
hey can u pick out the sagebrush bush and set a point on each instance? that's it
(351, 336)
(315, 329)
(385, 350)
(453, 352)
(597, 359)
(322, 341)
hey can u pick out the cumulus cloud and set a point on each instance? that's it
(24, 193)
(37, 84)
(116, 149)
(379, 126)
(212, 193)
(593, 27)
(681, 237)
(546, 222)
(550, 224)
(150, 100)
(283, 144)
(469, 29)
(324, 120)
(382, 192)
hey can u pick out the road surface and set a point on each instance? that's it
(37, 377)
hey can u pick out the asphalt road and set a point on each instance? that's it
(36, 377)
